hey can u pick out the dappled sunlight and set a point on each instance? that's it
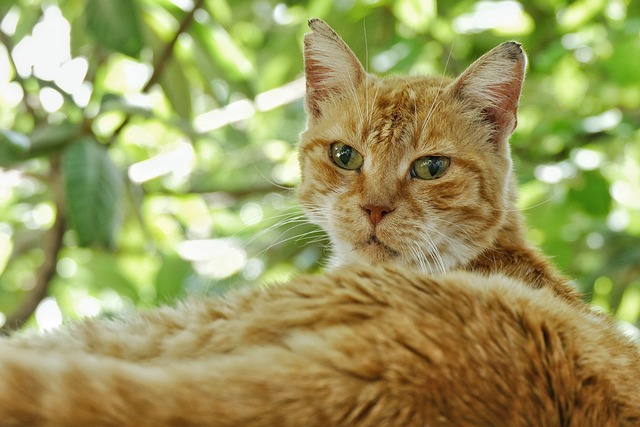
(48, 315)
(587, 159)
(179, 161)
(504, 16)
(602, 122)
(127, 76)
(216, 258)
(46, 49)
(244, 109)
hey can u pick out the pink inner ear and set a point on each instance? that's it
(318, 77)
(503, 110)
(314, 72)
(330, 67)
(492, 85)
(325, 82)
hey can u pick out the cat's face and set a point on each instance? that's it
(415, 170)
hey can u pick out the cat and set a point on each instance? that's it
(461, 217)
(436, 310)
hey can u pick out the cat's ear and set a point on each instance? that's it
(331, 68)
(492, 85)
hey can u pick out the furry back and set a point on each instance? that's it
(358, 347)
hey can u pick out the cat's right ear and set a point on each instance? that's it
(331, 68)
(492, 85)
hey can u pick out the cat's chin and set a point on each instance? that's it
(376, 251)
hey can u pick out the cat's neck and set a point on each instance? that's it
(512, 255)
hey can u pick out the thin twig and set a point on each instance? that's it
(161, 62)
(47, 270)
(164, 57)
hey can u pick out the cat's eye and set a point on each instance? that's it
(430, 167)
(345, 156)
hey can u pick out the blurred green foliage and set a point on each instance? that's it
(147, 148)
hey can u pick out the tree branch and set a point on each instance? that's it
(47, 270)
(161, 62)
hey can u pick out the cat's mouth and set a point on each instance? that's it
(376, 245)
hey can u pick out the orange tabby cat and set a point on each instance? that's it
(437, 311)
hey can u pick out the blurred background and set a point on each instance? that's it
(147, 147)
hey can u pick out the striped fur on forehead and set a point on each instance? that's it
(391, 111)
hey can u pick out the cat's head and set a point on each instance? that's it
(409, 170)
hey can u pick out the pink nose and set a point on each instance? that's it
(376, 213)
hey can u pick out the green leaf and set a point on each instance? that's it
(50, 137)
(45, 139)
(415, 14)
(14, 146)
(112, 102)
(177, 88)
(171, 278)
(107, 274)
(93, 188)
(591, 194)
(222, 48)
(115, 24)
(579, 13)
(624, 62)
(5, 6)
(29, 17)
(629, 308)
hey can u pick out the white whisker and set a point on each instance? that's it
(425, 124)
(272, 182)
(373, 102)
(299, 220)
(281, 241)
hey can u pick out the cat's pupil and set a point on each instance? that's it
(434, 165)
(344, 154)
(430, 167)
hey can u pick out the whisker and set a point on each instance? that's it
(435, 100)
(543, 202)
(421, 260)
(433, 251)
(460, 228)
(281, 241)
(300, 220)
(272, 182)
(286, 216)
(452, 245)
(375, 97)
(366, 46)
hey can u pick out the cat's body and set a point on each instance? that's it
(364, 347)
(463, 324)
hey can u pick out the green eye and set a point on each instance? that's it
(430, 167)
(345, 156)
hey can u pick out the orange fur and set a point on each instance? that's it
(437, 311)
(363, 346)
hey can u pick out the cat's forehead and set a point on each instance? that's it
(404, 92)
(396, 110)
(394, 117)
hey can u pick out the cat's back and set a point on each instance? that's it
(362, 346)
(458, 349)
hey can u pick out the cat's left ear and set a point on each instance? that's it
(331, 68)
(492, 84)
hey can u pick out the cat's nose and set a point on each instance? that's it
(376, 213)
